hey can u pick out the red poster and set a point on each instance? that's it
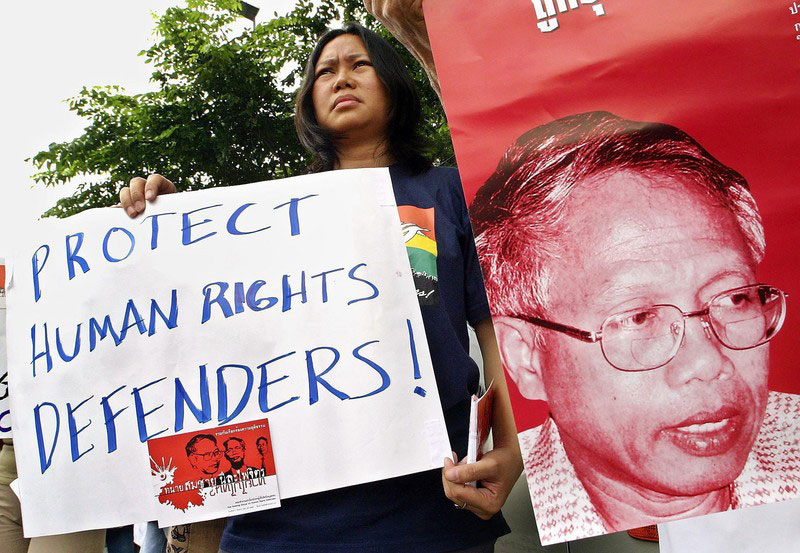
(631, 169)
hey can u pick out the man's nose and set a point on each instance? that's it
(701, 357)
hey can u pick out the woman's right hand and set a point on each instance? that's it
(132, 198)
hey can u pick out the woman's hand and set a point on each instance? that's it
(397, 15)
(133, 197)
(497, 472)
(406, 21)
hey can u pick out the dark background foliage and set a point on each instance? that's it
(221, 113)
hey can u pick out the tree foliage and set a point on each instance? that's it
(222, 110)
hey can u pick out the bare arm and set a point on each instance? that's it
(498, 469)
(406, 21)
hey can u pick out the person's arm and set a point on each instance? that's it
(498, 469)
(132, 198)
(406, 21)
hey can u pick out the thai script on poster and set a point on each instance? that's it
(292, 298)
(547, 11)
(794, 9)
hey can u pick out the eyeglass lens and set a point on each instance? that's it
(746, 317)
(209, 455)
(647, 338)
(642, 338)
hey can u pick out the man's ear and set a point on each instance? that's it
(520, 356)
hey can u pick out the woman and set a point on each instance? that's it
(357, 107)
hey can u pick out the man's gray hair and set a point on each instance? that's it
(516, 214)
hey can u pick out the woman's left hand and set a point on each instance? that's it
(497, 472)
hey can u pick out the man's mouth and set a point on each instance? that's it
(706, 434)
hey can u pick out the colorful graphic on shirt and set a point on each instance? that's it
(420, 237)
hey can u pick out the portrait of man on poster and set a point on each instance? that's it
(620, 263)
(204, 455)
(264, 450)
(235, 452)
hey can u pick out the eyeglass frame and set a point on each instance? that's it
(209, 455)
(703, 313)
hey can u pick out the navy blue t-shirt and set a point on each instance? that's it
(410, 513)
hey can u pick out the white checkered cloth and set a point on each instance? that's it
(564, 511)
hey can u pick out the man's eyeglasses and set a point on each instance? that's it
(208, 456)
(649, 337)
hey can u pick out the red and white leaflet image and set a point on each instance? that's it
(631, 169)
(214, 473)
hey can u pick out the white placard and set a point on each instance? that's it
(291, 299)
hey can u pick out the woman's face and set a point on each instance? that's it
(349, 98)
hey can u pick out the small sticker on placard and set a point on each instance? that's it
(213, 473)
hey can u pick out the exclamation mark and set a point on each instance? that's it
(418, 390)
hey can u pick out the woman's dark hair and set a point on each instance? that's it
(406, 143)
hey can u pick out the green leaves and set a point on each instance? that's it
(222, 111)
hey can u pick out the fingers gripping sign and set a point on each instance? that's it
(132, 198)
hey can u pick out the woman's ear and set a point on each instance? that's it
(521, 357)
